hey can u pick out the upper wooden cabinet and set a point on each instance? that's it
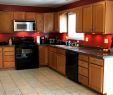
(78, 12)
(19, 15)
(87, 18)
(97, 17)
(56, 21)
(48, 22)
(30, 15)
(39, 21)
(6, 22)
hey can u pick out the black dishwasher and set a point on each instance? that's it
(72, 65)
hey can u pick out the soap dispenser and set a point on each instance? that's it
(10, 41)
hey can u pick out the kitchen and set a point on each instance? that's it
(92, 55)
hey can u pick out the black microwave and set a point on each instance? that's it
(24, 25)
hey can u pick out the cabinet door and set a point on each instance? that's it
(19, 15)
(40, 22)
(87, 18)
(61, 63)
(43, 55)
(1, 58)
(48, 22)
(99, 17)
(6, 22)
(96, 77)
(52, 60)
(56, 22)
(30, 16)
(78, 12)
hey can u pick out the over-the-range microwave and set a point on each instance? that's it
(24, 25)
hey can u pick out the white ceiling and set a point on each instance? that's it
(37, 3)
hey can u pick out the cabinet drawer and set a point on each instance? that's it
(83, 80)
(61, 51)
(9, 53)
(96, 61)
(83, 57)
(52, 49)
(83, 63)
(9, 58)
(8, 49)
(83, 71)
(9, 64)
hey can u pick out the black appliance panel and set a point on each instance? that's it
(72, 65)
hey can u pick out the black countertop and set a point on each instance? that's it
(89, 51)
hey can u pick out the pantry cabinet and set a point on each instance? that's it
(6, 22)
(43, 55)
(48, 22)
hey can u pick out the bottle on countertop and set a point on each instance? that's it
(10, 41)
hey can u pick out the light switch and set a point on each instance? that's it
(86, 39)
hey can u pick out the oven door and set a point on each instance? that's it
(26, 57)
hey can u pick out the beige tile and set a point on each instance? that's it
(41, 81)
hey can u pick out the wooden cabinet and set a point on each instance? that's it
(43, 55)
(79, 21)
(97, 17)
(83, 69)
(19, 15)
(56, 21)
(6, 22)
(39, 22)
(9, 57)
(48, 22)
(96, 74)
(61, 61)
(1, 58)
(87, 18)
(52, 58)
(30, 15)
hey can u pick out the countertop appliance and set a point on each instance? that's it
(24, 25)
(26, 53)
(72, 65)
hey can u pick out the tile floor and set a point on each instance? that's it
(41, 81)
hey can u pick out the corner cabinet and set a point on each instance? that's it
(6, 22)
(48, 22)
(97, 17)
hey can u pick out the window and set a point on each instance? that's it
(72, 28)
(63, 23)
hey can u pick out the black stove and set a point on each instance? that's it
(26, 53)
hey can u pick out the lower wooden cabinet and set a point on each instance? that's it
(43, 55)
(9, 57)
(52, 58)
(1, 58)
(96, 77)
(61, 63)
(57, 59)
